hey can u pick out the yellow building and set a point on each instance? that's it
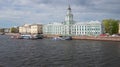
(25, 29)
(36, 29)
(31, 29)
(119, 27)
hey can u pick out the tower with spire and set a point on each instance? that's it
(69, 17)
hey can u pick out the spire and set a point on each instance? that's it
(69, 7)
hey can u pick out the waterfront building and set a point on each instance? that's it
(6, 30)
(70, 27)
(55, 28)
(31, 29)
(119, 28)
(36, 29)
(25, 29)
(93, 28)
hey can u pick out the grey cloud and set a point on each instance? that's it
(54, 10)
(99, 5)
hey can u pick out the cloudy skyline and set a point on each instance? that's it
(19, 12)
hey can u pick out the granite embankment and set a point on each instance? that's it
(99, 38)
(109, 38)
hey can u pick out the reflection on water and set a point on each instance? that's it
(50, 53)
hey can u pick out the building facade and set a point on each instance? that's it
(25, 29)
(36, 29)
(7, 30)
(93, 28)
(55, 28)
(70, 27)
(119, 28)
(31, 29)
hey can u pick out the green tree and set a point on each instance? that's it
(14, 30)
(111, 26)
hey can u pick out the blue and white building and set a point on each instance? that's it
(70, 27)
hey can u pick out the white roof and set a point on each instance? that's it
(84, 23)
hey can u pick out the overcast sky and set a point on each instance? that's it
(19, 12)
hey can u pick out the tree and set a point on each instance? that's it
(14, 30)
(111, 26)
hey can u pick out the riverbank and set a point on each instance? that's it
(98, 38)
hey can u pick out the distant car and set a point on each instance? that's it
(115, 35)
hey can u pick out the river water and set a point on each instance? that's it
(50, 53)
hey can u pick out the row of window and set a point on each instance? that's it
(76, 33)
